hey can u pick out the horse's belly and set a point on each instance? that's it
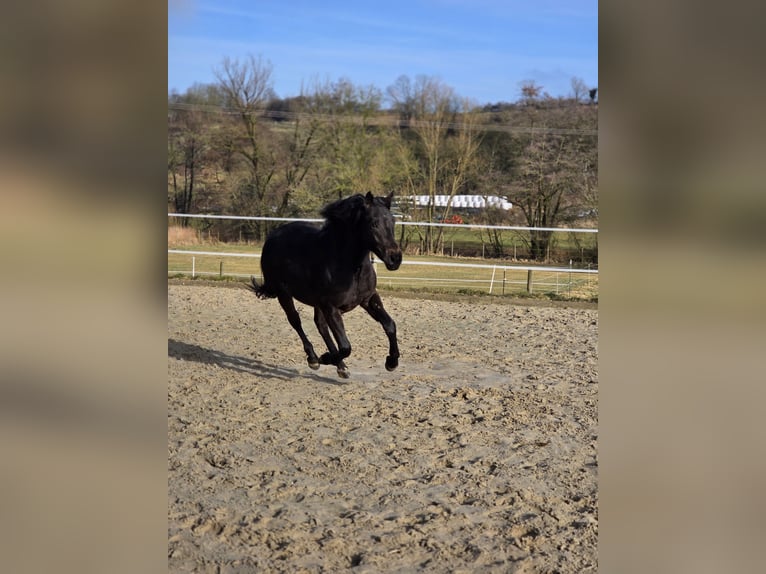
(315, 285)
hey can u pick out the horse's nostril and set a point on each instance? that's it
(395, 259)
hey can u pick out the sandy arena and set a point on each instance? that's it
(478, 454)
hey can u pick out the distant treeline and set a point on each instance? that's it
(235, 148)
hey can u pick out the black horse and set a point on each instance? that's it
(329, 268)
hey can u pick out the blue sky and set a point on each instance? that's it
(483, 49)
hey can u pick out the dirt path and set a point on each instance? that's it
(477, 454)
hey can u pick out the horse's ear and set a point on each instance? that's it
(370, 199)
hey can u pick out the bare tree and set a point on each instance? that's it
(579, 89)
(461, 158)
(530, 91)
(541, 190)
(349, 141)
(299, 151)
(446, 129)
(434, 112)
(247, 87)
(555, 174)
(187, 153)
(401, 94)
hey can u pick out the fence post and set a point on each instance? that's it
(193, 260)
(504, 270)
(569, 289)
(220, 269)
(529, 281)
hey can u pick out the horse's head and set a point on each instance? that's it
(370, 221)
(380, 227)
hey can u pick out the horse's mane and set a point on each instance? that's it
(346, 210)
(350, 209)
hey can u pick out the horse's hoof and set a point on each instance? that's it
(391, 364)
(343, 373)
(314, 366)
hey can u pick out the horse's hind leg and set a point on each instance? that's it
(330, 317)
(374, 306)
(295, 322)
(331, 357)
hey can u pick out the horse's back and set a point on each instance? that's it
(292, 240)
(286, 256)
(293, 233)
(297, 261)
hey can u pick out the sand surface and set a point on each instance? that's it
(478, 454)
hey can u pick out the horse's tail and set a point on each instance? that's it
(262, 291)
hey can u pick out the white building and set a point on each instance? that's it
(461, 201)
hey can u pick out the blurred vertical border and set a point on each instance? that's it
(682, 150)
(82, 287)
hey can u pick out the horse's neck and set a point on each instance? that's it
(347, 247)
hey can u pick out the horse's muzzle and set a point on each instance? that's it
(392, 259)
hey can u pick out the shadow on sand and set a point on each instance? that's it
(191, 352)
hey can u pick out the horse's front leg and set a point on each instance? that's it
(374, 306)
(295, 322)
(331, 318)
